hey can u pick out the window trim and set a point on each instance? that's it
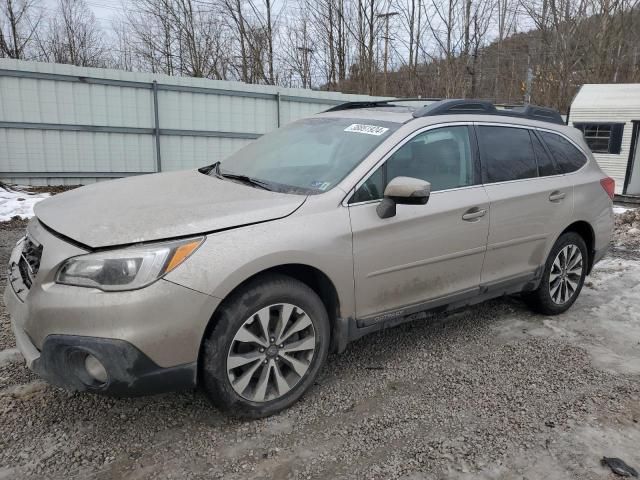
(475, 159)
(478, 160)
(540, 129)
(529, 130)
(580, 149)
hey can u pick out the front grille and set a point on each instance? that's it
(26, 276)
(29, 262)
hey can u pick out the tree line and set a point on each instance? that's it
(509, 51)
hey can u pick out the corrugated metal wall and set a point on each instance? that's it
(602, 103)
(61, 124)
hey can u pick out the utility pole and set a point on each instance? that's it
(386, 17)
(527, 93)
(305, 66)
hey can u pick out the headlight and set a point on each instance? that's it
(128, 268)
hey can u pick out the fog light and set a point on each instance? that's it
(95, 369)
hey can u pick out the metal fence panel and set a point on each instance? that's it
(61, 124)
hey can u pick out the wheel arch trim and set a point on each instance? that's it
(586, 231)
(312, 276)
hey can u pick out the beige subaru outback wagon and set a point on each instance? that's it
(242, 276)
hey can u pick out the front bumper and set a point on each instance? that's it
(129, 371)
(59, 359)
(148, 340)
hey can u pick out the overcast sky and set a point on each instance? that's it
(104, 10)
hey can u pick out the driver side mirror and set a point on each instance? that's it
(404, 191)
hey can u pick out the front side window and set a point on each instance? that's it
(567, 156)
(441, 156)
(506, 154)
(602, 137)
(308, 156)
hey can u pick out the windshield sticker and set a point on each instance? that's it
(320, 185)
(368, 129)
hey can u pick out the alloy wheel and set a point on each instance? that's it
(565, 274)
(271, 352)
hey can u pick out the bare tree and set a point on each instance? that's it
(234, 11)
(184, 37)
(369, 27)
(558, 22)
(260, 37)
(478, 16)
(72, 36)
(323, 21)
(498, 49)
(298, 54)
(444, 22)
(148, 27)
(412, 31)
(19, 21)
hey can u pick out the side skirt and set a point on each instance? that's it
(352, 329)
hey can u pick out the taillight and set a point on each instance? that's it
(609, 185)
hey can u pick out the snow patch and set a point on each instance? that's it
(26, 391)
(618, 210)
(18, 203)
(605, 320)
(10, 355)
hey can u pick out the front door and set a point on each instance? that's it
(424, 252)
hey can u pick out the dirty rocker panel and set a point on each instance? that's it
(356, 328)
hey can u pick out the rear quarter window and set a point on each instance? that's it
(546, 165)
(567, 156)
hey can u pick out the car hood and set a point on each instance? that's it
(159, 206)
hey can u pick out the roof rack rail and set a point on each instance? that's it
(378, 103)
(485, 107)
(362, 104)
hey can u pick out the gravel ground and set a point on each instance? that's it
(490, 392)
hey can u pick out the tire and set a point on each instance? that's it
(242, 371)
(561, 282)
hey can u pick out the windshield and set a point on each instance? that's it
(307, 156)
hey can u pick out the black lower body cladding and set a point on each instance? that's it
(129, 372)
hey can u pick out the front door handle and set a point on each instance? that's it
(557, 196)
(474, 214)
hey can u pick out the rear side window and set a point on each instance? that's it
(506, 153)
(567, 156)
(546, 166)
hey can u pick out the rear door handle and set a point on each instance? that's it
(557, 196)
(474, 214)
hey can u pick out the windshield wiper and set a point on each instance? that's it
(241, 178)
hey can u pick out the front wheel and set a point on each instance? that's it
(268, 344)
(563, 276)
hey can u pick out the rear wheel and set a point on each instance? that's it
(268, 344)
(563, 276)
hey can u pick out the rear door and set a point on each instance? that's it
(531, 201)
(424, 252)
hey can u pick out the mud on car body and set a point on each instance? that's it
(242, 276)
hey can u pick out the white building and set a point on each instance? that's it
(609, 116)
